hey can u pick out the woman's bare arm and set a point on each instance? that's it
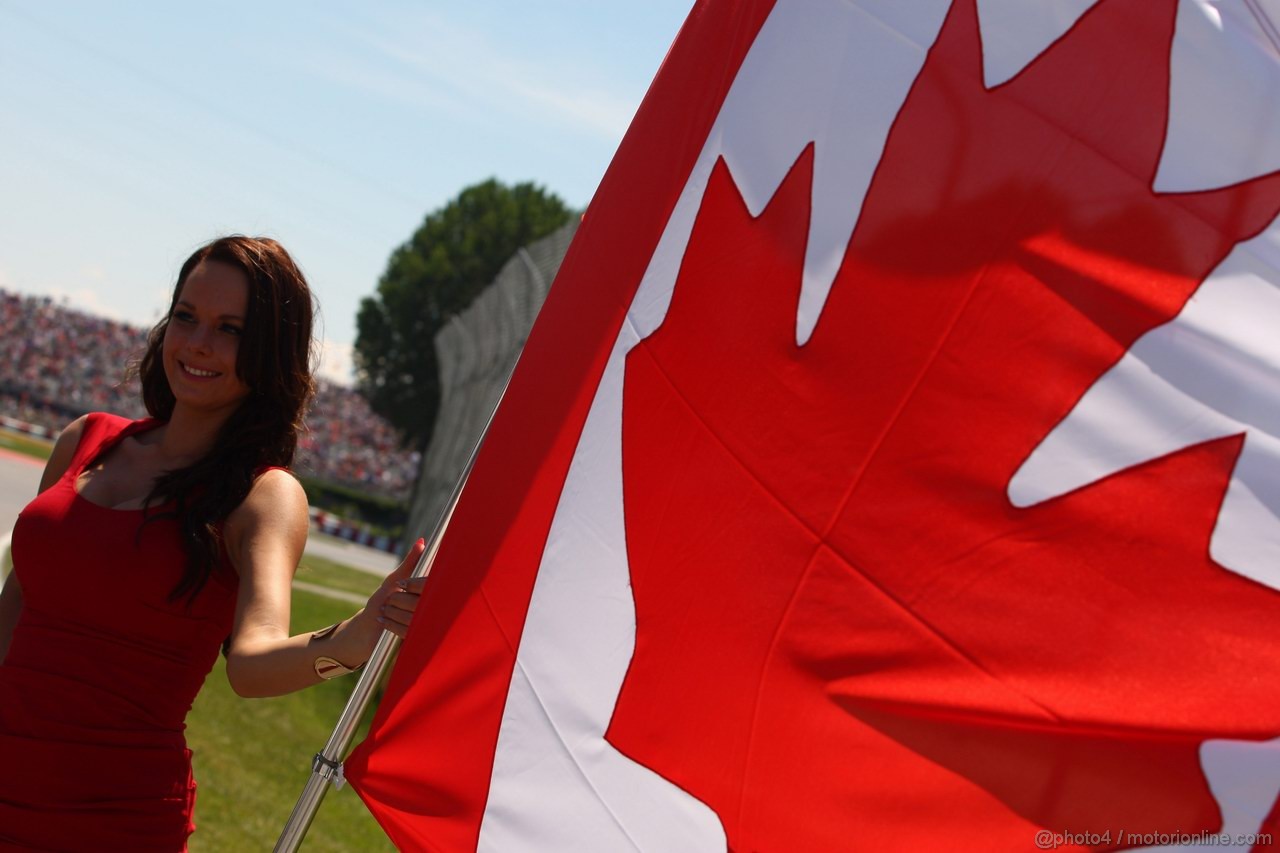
(265, 538)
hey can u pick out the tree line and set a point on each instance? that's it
(432, 276)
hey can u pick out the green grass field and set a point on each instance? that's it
(39, 448)
(336, 576)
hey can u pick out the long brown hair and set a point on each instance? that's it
(274, 361)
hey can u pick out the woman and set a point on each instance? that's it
(155, 543)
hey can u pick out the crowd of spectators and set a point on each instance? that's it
(57, 363)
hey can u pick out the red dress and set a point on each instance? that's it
(101, 672)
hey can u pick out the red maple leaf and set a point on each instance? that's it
(842, 622)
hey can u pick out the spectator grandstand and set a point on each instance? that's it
(57, 363)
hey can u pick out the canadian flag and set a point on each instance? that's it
(895, 464)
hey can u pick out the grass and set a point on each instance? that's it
(253, 757)
(37, 447)
(319, 570)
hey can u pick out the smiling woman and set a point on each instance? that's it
(203, 336)
(197, 527)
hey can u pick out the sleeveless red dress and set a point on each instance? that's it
(101, 671)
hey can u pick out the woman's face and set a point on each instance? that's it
(202, 340)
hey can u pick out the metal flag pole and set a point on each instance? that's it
(328, 762)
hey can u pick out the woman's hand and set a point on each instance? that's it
(390, 608)
(396, 600)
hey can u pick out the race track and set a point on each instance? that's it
(19, 479)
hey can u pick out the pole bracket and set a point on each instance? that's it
(329, 770)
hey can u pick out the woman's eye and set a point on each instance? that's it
(232, 330)
(184, 316)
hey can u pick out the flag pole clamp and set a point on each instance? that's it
(329, 770)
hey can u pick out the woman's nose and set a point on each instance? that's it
(201, 338)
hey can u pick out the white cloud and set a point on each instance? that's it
(377, 81)
(89, 301)
(440, 52)
(94, 272)
(336, 362)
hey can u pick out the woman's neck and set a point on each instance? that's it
(189, 435)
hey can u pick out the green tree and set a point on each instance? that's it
(455, 253)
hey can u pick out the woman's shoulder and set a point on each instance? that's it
(105, 420)
(64, 451)
(275, 479)
(275, 492)
(276, 505)
(264, 469)
(100, 428)
(78, 438)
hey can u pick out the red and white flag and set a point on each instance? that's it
(895, 464)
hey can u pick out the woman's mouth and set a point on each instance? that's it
(197, 373)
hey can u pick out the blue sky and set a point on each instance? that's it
(132, 133)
